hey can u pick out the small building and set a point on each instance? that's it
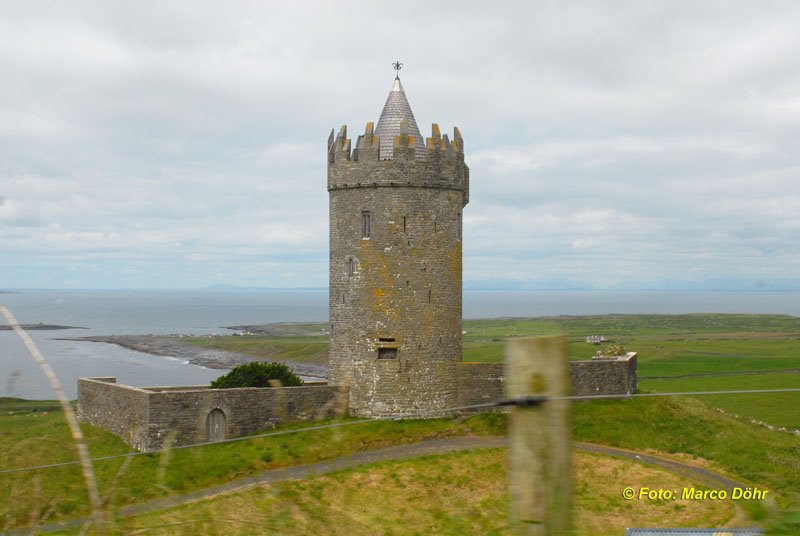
(150, 418)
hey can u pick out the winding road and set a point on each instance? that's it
(395, 453)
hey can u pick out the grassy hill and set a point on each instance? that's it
(674, 426)
(677, 353)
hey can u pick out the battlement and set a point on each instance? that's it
(439, 165)
(367, 146)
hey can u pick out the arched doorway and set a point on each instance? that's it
(215, 426)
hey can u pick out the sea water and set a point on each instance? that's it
(202, 312)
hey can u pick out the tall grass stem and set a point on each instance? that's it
(69, 415)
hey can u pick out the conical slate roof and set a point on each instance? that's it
(394, 111)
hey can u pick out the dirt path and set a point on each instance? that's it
(397, 453)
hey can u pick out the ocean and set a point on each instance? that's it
(120, 312)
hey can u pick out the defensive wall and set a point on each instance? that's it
(483, 383)
(149, 418)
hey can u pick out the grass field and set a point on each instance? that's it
(42, 438)
(681, 427)
(777, 409)
(459, 493)
(14, 406)
(677, 353)
(307, 349)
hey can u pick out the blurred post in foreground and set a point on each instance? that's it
(540, 446)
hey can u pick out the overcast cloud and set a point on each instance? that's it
(611, 144)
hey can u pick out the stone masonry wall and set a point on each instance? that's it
(603, 376)
(247, 410)
(480, 383)
(395, 295)
(120, 409)
(147, 419)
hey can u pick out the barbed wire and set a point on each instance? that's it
(526, 401)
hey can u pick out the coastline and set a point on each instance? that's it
(172, 346)
(39, 326)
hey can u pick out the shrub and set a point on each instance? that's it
(257, 374)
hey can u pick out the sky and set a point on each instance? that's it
(611, 145)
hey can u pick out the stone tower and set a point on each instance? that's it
(395, 264)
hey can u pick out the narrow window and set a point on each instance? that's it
(404, 224)
(351, 267)
(365, 224)
(387, 353)
(385, 339)
(429, 296)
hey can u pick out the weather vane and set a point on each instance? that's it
(397, 66)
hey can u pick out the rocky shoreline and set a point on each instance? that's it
(174, 346)
(29, 327)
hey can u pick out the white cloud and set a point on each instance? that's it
(146, 144)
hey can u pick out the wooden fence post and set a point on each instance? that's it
(540, 446)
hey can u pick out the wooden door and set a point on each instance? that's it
(215, 426)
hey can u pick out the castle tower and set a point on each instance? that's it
(395, 264)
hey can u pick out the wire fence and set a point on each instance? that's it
(521, 401)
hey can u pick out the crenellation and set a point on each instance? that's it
(339, 149)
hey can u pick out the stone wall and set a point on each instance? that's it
(246, 410)
(604, 376)
(120, 409)
(148, 419)
(481, 383)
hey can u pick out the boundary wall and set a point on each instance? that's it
(151, 418)
(482, 383)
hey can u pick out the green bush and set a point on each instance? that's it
(257, 374)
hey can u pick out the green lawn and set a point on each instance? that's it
(698, 352)
(458, 493)
(676, 353)
(779, 409)
(42, 438)
(769, 459)
(307, 349)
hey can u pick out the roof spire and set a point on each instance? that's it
(395, 111)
